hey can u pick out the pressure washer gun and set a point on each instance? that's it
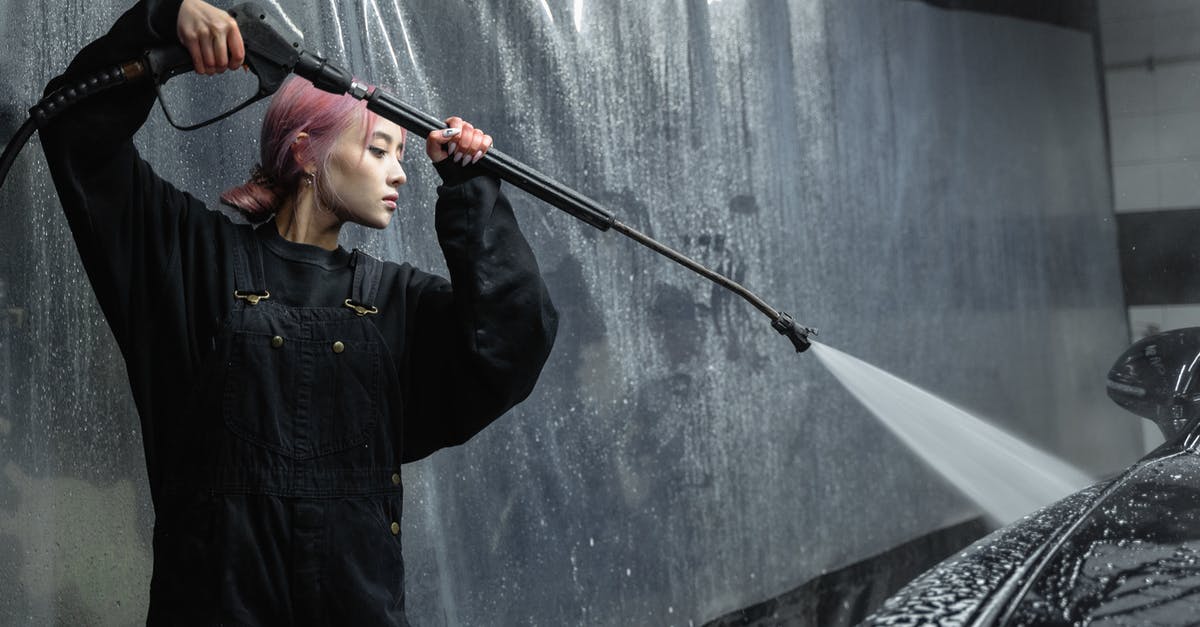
(273, 52)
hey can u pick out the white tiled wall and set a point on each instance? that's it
(1154, 115)
(1147, 320)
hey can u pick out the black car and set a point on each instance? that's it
(1125, 551)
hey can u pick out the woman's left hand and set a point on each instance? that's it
(467, 145)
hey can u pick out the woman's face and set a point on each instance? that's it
(360, 183)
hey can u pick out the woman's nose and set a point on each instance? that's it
(397, 178)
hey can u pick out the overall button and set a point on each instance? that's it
(276, 342)
(338, 346)
(395, 478)
(395, 528)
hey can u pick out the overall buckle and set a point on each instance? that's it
(361, 309)
(253, 297)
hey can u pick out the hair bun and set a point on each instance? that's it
(261, 178)
(256, 197)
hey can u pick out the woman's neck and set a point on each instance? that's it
(300, 220)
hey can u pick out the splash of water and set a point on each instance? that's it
(1004, 475)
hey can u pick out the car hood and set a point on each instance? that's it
(1123, 551)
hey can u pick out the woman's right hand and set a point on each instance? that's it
(211, 35)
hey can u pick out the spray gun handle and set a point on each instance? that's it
(167, 62)
(271, 53)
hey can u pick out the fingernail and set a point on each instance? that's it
(450, 132)
(453, 145)
(458, 157)
(478, 156)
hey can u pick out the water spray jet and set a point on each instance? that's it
(1001, 473)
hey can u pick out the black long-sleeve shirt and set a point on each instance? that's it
(466, 349)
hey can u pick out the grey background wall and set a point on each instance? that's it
(929, 187)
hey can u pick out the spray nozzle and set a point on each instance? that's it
(798, 334)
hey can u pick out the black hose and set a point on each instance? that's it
(14, 148)
(61, 99)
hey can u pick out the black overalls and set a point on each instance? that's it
(284, 498)
(274, 434)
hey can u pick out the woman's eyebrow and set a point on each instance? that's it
(387, 138)
(382, 135)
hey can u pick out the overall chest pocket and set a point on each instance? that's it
(302, 398)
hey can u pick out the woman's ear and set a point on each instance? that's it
(300, 150)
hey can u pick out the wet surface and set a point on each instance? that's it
(955, 591)
(1131, 561)
(1119, 553)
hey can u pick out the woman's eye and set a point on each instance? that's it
(378, 152)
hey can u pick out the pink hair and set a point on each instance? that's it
(297, 107)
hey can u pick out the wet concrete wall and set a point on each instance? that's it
(928, 187)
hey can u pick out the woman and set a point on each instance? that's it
(281, 380)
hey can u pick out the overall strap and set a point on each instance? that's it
(248, 279)
(365, 284)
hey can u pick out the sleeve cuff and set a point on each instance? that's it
(163, 18)
(453, 173)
